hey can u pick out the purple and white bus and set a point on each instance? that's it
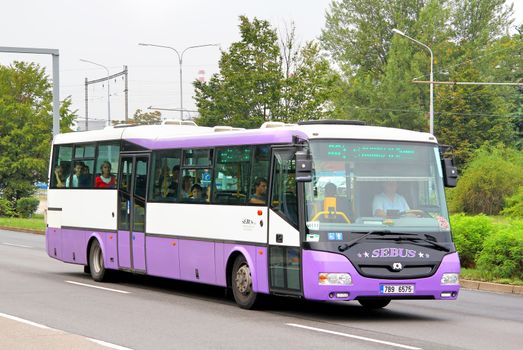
(323, 210)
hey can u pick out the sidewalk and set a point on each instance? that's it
(491, 287)
(16, 335)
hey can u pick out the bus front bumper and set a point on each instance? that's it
(316, 263)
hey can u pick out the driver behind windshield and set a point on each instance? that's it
(389, 200)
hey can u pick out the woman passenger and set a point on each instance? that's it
(105, 179)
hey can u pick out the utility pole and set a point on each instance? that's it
(124, 72)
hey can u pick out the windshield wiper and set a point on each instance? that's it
(349, 244)
(427, 239)
(413, 237)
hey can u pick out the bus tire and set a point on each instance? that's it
(374, 303)
(241, 281)
(96, 262)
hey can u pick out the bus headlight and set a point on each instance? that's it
(334, 279)
(450, 278)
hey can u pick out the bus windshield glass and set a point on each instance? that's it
(363, 186)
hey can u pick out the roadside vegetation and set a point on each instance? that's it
(35, 223)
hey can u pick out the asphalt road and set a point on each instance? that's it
(140, 312)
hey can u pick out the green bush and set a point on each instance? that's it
(6, 208)
(493, 174)
(469, 232)
(514, 205)
(25, 207)
(502, 254)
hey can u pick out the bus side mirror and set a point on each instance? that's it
(303, 166)
(450, 172)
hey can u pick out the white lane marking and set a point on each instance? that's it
(91, 286)
(31, 323)
(353, 336)
(16, 245)
(108, 345)
(21, 320)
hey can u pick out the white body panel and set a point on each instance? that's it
(54, 218)
(83, 208)
(221, 222)
(278, 226)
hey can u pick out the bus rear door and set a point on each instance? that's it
(131, 218)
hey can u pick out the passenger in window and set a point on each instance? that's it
(389, 200)
(186, 186)
(85, 177)
(105, 179)
(74, 179)
(260, 192)
(196, 193)
(170, 183)
(59, 176)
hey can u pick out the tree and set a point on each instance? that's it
(25, 128)
(246, 92)
(466, 38)
(259, 81)
(146, 118)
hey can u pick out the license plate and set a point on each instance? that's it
(396, 289)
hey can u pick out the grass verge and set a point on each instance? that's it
(36, 223)
(476, 275)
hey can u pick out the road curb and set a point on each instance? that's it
(492, 287)
(26, 230)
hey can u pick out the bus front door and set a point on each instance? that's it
(284, 237)
(131, 221)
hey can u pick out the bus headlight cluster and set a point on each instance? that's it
(334, 279)
(450, 278)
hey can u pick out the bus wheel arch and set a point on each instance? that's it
(242, 283)
(95, 260)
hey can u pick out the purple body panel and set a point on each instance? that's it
(138, 243)
(124, 249)
(53, 239)
(315, 262)
(248, 137)
(197, 261)
(163, 257)
(74, 245)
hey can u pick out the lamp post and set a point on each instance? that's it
(180, 61)
(108, 88)
(431, 110)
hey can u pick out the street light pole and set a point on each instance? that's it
(431, 107)
(108, 88)
(180, 62)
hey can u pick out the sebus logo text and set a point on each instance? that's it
(248, 222)
(393, 253)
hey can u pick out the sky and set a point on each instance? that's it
(108, 32)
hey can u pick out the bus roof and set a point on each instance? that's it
(174, 136)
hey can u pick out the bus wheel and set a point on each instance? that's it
(374, 303)
(241, 280)
(96, 262)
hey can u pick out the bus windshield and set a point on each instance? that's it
(363, 186)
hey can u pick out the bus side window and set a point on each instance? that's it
(260, 168)
(284, 194)
(166, 176)
(231, 176)
(62, 165)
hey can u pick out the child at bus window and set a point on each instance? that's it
(85, 177)
(260, 192)
(196, 193)
(74, 179)
(59, 176)
(186, 186)
(105, 179)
